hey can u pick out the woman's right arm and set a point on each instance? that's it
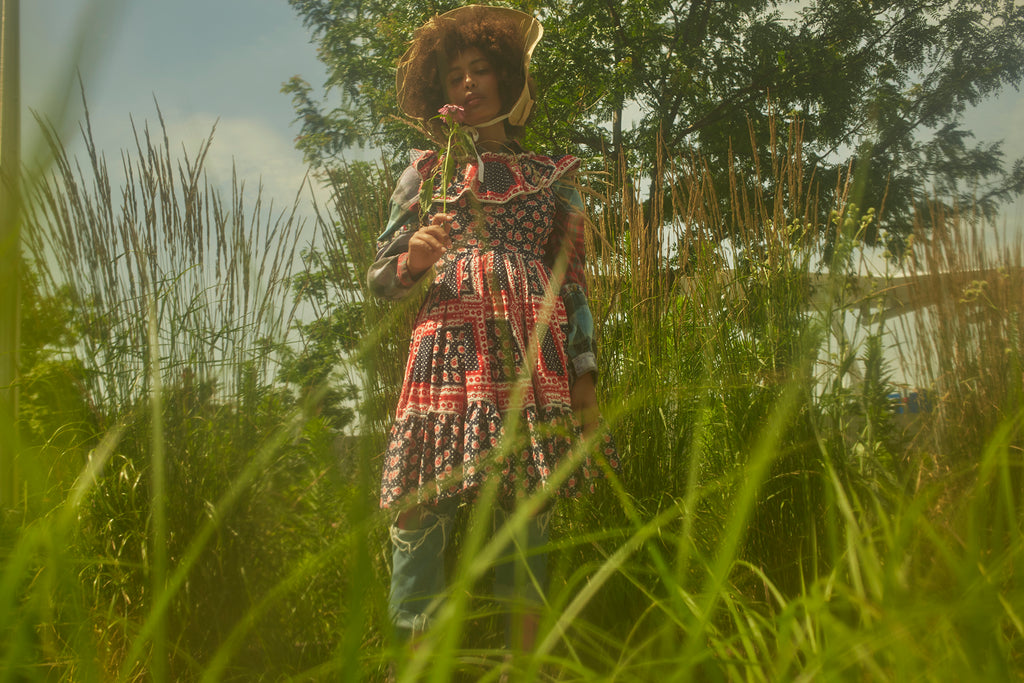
(389, 276)
(401, 263)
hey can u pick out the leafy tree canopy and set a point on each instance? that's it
(884, 84)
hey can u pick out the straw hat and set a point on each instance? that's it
(421, 63)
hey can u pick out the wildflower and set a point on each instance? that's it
(460, 143)
(452, 113)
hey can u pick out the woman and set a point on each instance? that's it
(491, 349)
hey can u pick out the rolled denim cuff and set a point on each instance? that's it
(583, 363)
(579, 338)
(417, 573)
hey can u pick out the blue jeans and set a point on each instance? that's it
(418, 575)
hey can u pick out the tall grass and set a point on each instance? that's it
(176, 304)
(773, 520)
(968, 281)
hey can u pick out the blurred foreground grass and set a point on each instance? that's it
(200, 468)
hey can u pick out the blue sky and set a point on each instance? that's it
(205, 60)
(201, 60)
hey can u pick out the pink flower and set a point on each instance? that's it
(452, 113)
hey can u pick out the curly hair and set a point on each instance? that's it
(440, 40)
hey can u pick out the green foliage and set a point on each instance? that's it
(870, 80)
(163, 320)
(356, 340)
(774, 520)
(54, 413)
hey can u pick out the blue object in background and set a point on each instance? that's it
(913, 403)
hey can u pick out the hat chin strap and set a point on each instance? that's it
(475, 130)
(516, 116)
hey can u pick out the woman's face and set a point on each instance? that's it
(472, 83)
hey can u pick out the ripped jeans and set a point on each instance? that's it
(418, 574)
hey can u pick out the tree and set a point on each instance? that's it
(882, 85)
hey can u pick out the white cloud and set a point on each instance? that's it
(258, 152)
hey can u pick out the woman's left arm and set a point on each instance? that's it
(567, 243)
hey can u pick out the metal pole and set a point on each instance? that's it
(10, 252)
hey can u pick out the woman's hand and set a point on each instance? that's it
(429, 243)
(584, 402)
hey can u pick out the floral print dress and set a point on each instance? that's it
(503, 330)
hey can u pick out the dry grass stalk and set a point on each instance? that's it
(216, 269)
(968, 293)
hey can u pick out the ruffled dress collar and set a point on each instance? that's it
(505, 177)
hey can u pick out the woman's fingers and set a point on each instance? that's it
(440, 225)
(426, 246)
(441, 218)
(429, 243)
(435, 233)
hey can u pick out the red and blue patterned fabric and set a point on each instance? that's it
(494, 348)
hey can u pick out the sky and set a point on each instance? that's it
(202, 61)
(225, 61)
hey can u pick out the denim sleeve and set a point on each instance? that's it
(580, 338)
(567, 242)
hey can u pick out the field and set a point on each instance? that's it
(206, 388)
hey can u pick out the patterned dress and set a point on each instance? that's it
(503, 328)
